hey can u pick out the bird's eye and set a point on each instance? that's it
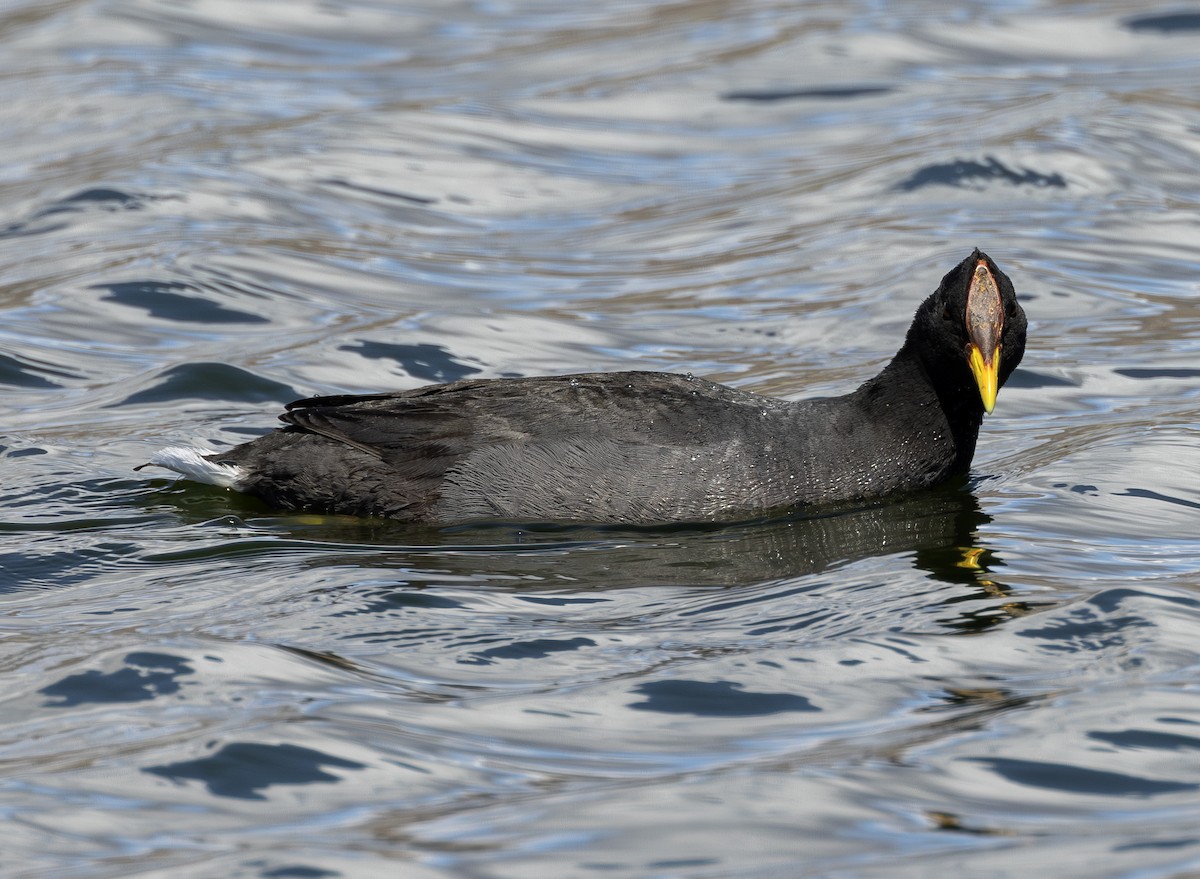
(947, 314)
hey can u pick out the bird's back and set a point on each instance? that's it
(633, 446)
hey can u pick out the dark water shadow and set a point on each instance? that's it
(964, 171)
(1078, 780)
(1146, 739)
(209, 381)
(1140, 372)
(1164, 22)
(407, 197)
(146, 675)
(828, 93)
(177, 302)
(1029, 379)
(715, 699)
(298, 871)
(24, 372)
(95, 199)
(425, 362)
(243, 770)
(1158, 496)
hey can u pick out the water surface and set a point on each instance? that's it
(212, 208)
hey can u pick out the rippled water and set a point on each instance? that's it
(211, 208)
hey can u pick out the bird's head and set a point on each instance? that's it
(972, 326)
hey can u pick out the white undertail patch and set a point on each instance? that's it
(191, 463)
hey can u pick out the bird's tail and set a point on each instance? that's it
(193, 464)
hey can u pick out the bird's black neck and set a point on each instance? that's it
(917, 398)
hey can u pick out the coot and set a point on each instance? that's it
(641, 447)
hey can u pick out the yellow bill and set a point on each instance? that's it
(986, 370)
(985, 326)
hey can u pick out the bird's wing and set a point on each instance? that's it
(446, 422)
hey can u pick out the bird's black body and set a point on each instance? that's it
(639, 446)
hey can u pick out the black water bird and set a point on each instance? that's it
(642, 447)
